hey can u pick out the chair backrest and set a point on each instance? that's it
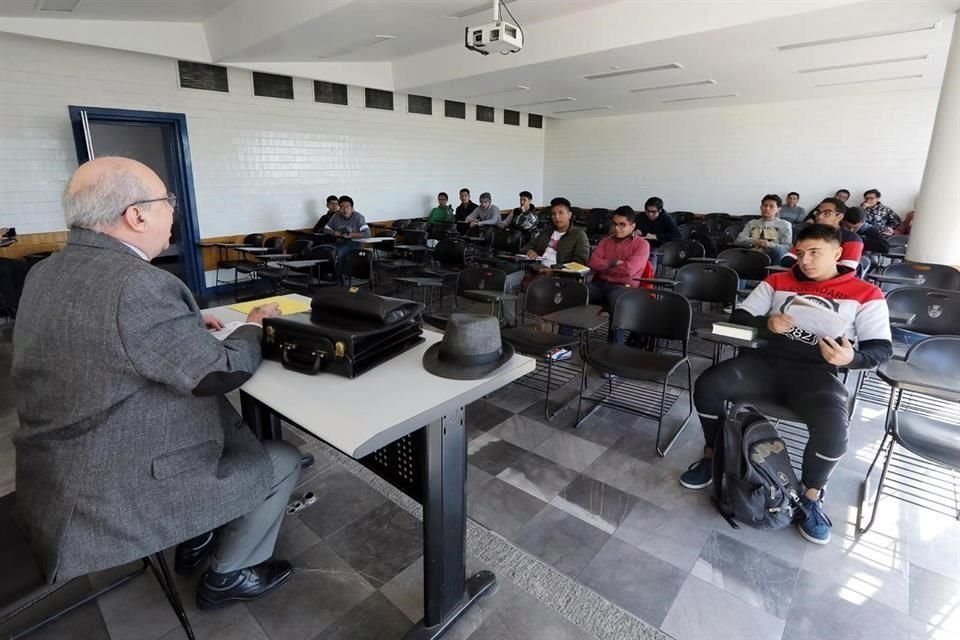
(484, 278)
(682, 217)
(686, 230)
(654, 313)
(708, 283)
(414, 236)
(300, 247)
(451, 252)
(416, 225)
(716, 214)
(253, 240)
(939, 355)
(507, 240)
(677, 253)
(275, 243)
(731, 231)
(401, 224)
(440, 230)
(936, 311)
(935, 276)
(387, 233)
(357, 264)
(325, 270)
(748, 263)
(598, 222)
(898, 241)
(547, 295)
(484, 233)
(544, 216)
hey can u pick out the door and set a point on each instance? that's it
(158, 140)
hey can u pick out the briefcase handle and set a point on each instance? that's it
(307, 360)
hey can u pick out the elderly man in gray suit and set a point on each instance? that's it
(127, 444)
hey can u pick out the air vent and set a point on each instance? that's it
(511, 117)
(378, 99)
(269, 85)
(209, 77)
(420, 104)
(616, 73)
(454, 109)
(329, 92)
(484, 114)
(534, 121)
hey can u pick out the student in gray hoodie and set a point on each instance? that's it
(486, 214)
(769, 234)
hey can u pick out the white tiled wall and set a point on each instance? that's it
(258, 163)
(726, 159)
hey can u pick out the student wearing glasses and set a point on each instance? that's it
(617, 262)
(831, 212)
(656, 226)
(878, 214)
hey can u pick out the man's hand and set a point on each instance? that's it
(839, 354)
(780, 323)
(533, 255)
(212, 323)
(257, 315)
(614, 263)
(762, 243)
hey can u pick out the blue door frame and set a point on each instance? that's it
(181, 171)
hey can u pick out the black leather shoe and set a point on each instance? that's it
(251, 583)
(189, 557)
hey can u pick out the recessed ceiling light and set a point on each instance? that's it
(870, 63)
(553, 101)
(891, 79)
(673, 86)
(480, 8)
(519, 87)
(606, 108)
(56, 5)
(726, 95)
(355, 46)
(860, 36)
(627, 72)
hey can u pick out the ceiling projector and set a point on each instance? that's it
(498, 35)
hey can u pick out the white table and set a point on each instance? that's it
(372, 240)
(340, 411)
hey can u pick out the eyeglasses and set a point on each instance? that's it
(621, 225)
(170, 197)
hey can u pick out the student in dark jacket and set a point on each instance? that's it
(656, 226)
(873, 240)
(466, 206)
(333, 206)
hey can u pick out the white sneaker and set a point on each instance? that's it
(560, 354)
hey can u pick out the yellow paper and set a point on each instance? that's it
(287, 305)
(576, 266)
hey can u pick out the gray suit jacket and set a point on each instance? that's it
(117, 455)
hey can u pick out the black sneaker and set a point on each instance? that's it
(698, 475)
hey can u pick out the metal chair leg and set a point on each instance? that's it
(161, 572)
(546, 404)
(865, 487)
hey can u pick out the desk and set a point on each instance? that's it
(903, 376)
(719, 342)
(882, 279)
(372, 240)
(584, 320)
(362, 427)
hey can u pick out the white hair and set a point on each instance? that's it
(100, 203)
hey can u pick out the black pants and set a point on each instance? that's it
(813, 392)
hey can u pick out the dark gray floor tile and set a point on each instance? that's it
(523, 616)
(82, 623)
(295, 538)
(373, 619)
(342, 498)
(503, 508)
(492, 454)
(934, 598)
(138, 610)
(241, 625)
(476, 478)
(405, 591)
(381, 544)
(538, 476)
(754, 576)
(621, 471)
(556, 537)
(523, 432)
(483, 415)
(703, 611)
(671, 536)
(635, 580)
(323, 588)
(514, 397)
(595, 502)
(824, 609)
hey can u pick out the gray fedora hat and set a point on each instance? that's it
(471, 348)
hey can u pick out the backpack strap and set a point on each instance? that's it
(717, 498)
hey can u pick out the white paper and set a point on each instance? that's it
(816, 320)
(229, 328)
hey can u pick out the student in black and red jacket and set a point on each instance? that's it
(799, 369)
(830, 212)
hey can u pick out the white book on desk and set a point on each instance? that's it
(737, 331)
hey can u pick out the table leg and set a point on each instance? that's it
(447, 594)
(264, 423)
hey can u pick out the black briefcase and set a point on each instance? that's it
(347, 333)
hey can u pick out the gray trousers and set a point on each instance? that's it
(249, 540)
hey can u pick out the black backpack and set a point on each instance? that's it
(752, 477)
